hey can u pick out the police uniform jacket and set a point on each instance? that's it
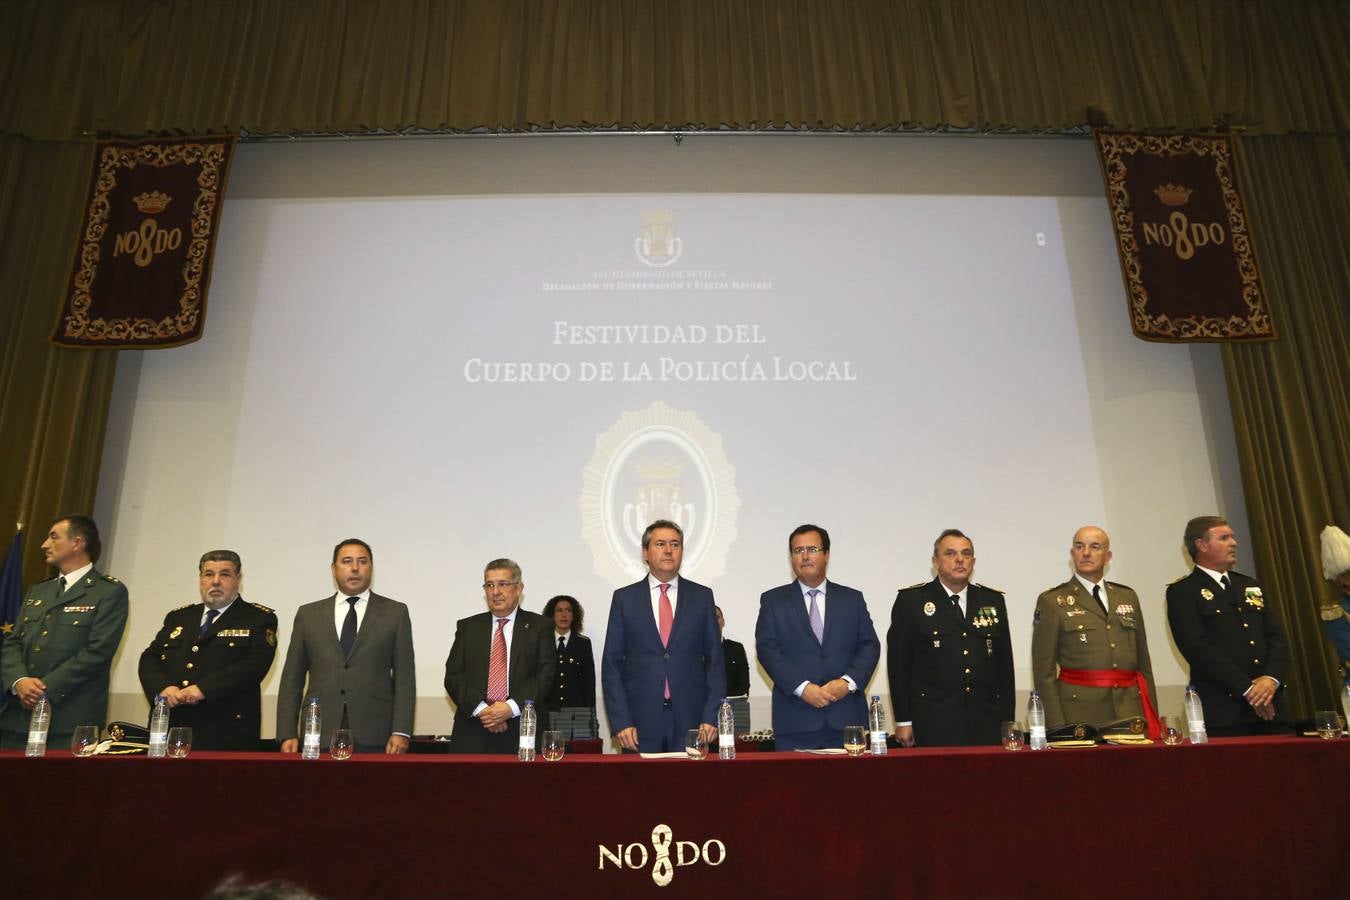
(575, 678)
(952, 676)
(68, 640)
(228, 664)
(738, 668)
(1070, 631)
(1229, 638)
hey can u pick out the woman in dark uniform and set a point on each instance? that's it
(574, 685)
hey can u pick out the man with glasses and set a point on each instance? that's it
(353, 651)
(662, 668)
(816, 640)
(949, 654)
(499, 659)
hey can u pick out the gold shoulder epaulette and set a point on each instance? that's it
(111, 580)
(1332, 613)
(988, 588)
(183, 607)
(913, 586)
(1119, 585)
(259, 606)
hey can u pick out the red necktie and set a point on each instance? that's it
(667, 620)
(497, 665)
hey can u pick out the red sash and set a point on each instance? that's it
(1113, 678)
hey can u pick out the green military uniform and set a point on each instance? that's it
(68, 640)
(1069, 631)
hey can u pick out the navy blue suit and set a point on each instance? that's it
(790, 653)
(635, 666)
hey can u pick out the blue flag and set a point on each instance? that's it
(11, 586)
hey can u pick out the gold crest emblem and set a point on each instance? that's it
(176, 632)
(1207, 593)
(272, 637)
(929, 608)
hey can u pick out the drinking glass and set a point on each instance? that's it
(695, 747)
(1324, 720)
(1012, 735)
(855, 740)
(180, 742)
(1171, 730)
(342, 745)
(553, 745)
(85, 740)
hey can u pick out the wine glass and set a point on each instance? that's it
(85, 740)
(553, 745)
(695, 747)
(342, 745)
(180, 742)
(1012, 735)
(1171, 730)
(855, 740)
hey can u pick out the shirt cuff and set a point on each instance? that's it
(482, 705)
(515, 710)
(903, 724)
(801, 687)
(852, 685)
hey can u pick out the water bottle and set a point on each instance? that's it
(726, 731)
(876, 723)
(1195, 716)
(528, 722)
(37, 727)
(1345, 702)
(159, 728)
(313, 730)
(1036, 721)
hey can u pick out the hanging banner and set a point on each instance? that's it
(1183, 237)
(143, 261)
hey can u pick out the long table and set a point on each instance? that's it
(1241, 817)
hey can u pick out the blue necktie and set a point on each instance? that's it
(206, 626)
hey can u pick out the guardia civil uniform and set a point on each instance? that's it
(67, 639)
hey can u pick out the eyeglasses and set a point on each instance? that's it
(806, 551)
(500, 585)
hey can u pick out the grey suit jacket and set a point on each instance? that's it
(377, 683)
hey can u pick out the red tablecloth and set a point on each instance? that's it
(1235, 818)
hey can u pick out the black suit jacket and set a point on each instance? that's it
(530, 673)
(1228, 639)
(951, 676)
(228, 665)
(738, 668)
(574, 679)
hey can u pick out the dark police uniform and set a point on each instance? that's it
(575, 684)
(68, 640)
(951, 676)
(1229, 638)
(228, 664)
(738, 668)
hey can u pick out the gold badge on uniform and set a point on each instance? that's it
(272, 637)
(176, 632)
(1207, 593)
(1070, 601)
(929, 608)
(1082, 636)
(1124, 609)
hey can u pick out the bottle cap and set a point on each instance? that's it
(875, 698)
(529, 703)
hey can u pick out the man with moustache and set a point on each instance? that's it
(1230, 633)
(950, 652)
(64, 642)
(816, 640)
(662, 668)
(1089, 652)
(353, 651)
(209, 659)
(499, 659)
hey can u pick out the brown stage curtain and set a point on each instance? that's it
(55, 405)
(1291, 397)
(146, 66)
(1271, 67)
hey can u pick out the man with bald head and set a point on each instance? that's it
(1089, 652)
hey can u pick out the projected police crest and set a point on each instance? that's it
(658, 463)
